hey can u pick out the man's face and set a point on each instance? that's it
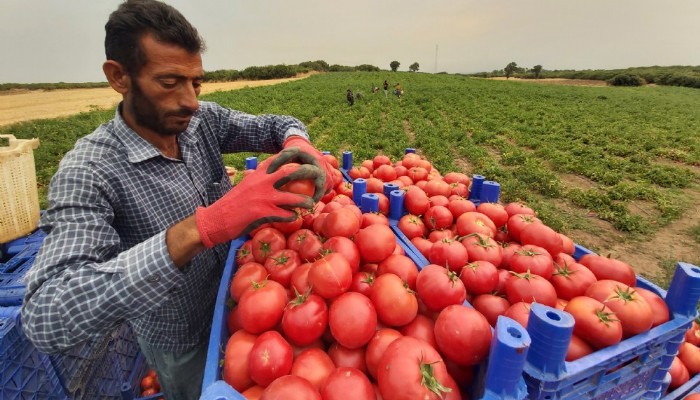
(163, 95)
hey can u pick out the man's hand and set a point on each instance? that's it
(308, 148)
(257, 199)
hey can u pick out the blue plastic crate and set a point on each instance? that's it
(686, 389)
(12, 286)
(20, 262)
(25, 373)
(14, 247)
(131, 388)
(635, 368)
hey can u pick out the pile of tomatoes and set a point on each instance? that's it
(150, 384)
(686, 364)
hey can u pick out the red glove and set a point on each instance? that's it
(306, 147)
(257, 200)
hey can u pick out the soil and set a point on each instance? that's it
(672, 242)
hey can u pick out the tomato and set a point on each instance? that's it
(253, 393)
(401, 266)
(423, 245)
(281, 264)
(385, 173)
(308, 216)
(518, 208)
(267, 241)
(380, 160)
(394, 302)
(475, 222)
(245, 253)
(491, 306)
(314, 365)
(310, 248)
(347, 383)
(568, 246)
(508, 250)
(300, 186)
(438, 287)
(344, 357)
(571, 280)
(261, 307)
(412, 369)
(412, 226)
(232, 321)
(692, 335)
(373, 218)
(437, 217)
(679, 374)
(290, 387)
(341, 222)
(360, 172)
(375, 242)
(503, 276)
(362, 283)
(577, 348)
(270, 357)
(448, 253)
(459, 189)
(422, 327)
(530, 288)
(463, 335)
(659, 309)
(519, 312)
(594, 322)
(439, 235)
(375, 185)
(288, 227)
(542, 236)
(147, 382)
(330, 276)
(416, 201)
(690, 355)
(296, 238)
(149, 392)
(460, 206)
(246, 273)
(299, 280)
(609, 268)
(457, 177)
(516, 223)
(305, 319)
(440, 200)
(418, 174)
(496, 213)
(533, 259)
(347, 248)
(479, 277)
(630, 307)
(483, 248)
(352, 320)
(377, 346)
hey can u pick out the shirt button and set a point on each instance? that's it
(153, 278)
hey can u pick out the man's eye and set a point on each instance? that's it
(168, 83)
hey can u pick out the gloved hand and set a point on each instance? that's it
(306, 147)
(257, 199)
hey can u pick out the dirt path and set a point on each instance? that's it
(18, 106)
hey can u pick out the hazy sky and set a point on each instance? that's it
(62, 40)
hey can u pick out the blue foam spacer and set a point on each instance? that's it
(370, 203)
(251, 162)
(490, 191)
(359, 187)
(347, 160)
(475, 190)
(550, 330)
(396, 204)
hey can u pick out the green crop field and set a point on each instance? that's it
(614, 168)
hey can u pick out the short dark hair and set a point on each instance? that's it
(136, 18)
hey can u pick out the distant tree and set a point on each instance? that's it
(537, 70)
(414, 67)
(394, 65)
(510, 68)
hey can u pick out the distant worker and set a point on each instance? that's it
(375, 89)
(398, 91)
(351, 98)
(386, 88)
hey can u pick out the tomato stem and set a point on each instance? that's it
(429, 381)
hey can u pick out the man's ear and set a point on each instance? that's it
(117, 76)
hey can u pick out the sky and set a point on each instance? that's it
(63, 40)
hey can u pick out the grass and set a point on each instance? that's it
(624, 146)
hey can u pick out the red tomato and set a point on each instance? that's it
(149, 392)
(341, 222)
(690, 355)
(290, 387)
(423, 245)
(308, 216)
(344, 357)
(496, 213)
(659, 309)
(310, 248)
(401, 266)
(568, 245)
(352, 320)
(253, 393)
(491, 306)
(516, 223)
(438, 287)
(508, 250)
(479, 277)
(330, 276)
(679, 374)
(437, 187)
(448, 253)
(594, 322)
(261, 307)
(530, 288)
(533, 259)
(347, 248)
(267, 241)
(418, 174)
(416, 201)
(232, 321)
(578, 348)
(395, 303)
(360, 172)
(245, 253)
(630, 307)
(438, 217)
(246, 273)
(373, 218)
(457, 177)
(314, 365)
(542, 236)
(305, 319)
(460, 206)
(483, 248)
(412, 226)
(300, 278)
(692, 335)
(403, 373)
(385, 173)
(147, 382)
(281, 264)
(519, 312)
(443, 234)
(422, 328)
(463, 335)
(380, 160)
(288, 227)
(439, 200)
(609, 268)
(270, 358)
(377, 346)
(375, 185)
(347, 383)
(297, 238)
(571, 280)
(375, 242)
(518, 208)
(475, 222)
(301, 186)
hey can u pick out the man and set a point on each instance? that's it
(141, 211)
(350, 97)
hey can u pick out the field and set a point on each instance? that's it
(616, 169)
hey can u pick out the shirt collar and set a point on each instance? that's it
(139, 149)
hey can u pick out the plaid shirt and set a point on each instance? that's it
(105, 260)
